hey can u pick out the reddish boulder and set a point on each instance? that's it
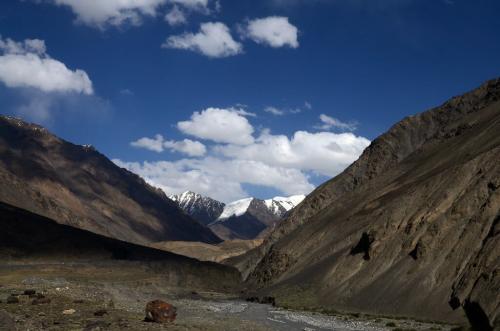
(160, 312)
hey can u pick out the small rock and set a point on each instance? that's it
(40, 301)
(69, 312)
(101, 312)
(13, 299)
(160, 312)
(29, 292)
(41, 314)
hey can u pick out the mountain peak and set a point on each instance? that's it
(236, 208)
(201, 208)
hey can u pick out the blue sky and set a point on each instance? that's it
(332, 76)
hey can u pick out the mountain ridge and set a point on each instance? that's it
(78, 186)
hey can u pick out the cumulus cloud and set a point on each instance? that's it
(104, 13)
(325, 153)
(153, 144)
(159, 144)
(236, 157)
(220, 125)
(111, 12)
(176, 17)
(328, 123)
(186, 146)
(274, 31)
(220, 179)
(27, 64)
(213, 40)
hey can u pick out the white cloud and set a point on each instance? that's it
(220, 179)
(326, 153)
(101, 13)
(237, 158)
(153, 144)
(329, 123)
(176, 17)
(159, 144)
(200, 5)
(220, 125)
(26, 64)
(273, 31)
(213, 40)
(274, 111)
(284, 111)
(186, 146)
(104, 13)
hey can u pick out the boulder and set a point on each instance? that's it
(160, 312)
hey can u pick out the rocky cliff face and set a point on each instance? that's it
(78, 186)
(411, 228)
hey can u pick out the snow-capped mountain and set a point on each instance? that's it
(236, 208)
(203, 209)
(282, 205)
(242, 219)
(252, 218)
(277, 206)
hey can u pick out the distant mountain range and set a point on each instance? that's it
(248, 218)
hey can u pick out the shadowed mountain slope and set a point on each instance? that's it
(78, 186)
(30, 238)
(411, 228)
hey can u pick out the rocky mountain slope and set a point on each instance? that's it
(411, 228)
(248, 218)
(78, 186)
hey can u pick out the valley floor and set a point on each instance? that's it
(120, 292)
